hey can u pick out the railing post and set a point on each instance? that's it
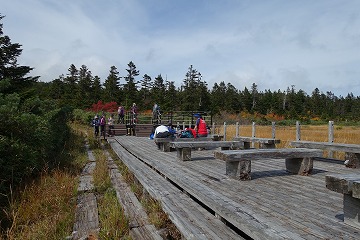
(189, 124)
(183, 125)
(224, 131)
(213, 128)
(298, 135)
(237, 129)
(253, 134)
(273, 130)
(331, 136)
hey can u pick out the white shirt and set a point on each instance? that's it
(160, 129)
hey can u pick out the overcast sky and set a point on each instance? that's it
(272, 43)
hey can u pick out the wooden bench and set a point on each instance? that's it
(349, 185)
(164, 143)
(263, 142)
(184, 148)
(297, 160)
(352, 151)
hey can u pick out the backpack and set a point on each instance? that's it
(102, 121)
(186, 134)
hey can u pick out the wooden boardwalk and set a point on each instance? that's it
(273, 205)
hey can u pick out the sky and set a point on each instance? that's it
(276, 44)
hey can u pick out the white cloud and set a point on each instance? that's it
(274, 44)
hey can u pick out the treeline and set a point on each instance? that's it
(79, 89)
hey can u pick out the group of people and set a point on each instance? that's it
(162, 131)
(100, 123)
(200, 130)
(133, 113)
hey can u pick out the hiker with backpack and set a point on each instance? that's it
(96, 124)
(121, 114)
(102, 125)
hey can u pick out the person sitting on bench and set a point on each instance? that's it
(200, 126)
(163, 131)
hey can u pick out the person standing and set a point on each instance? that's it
(156, 114)
(134, 112)
(111, 126)
(102, 125)
(200, 126)
(121, 113)
(96, 123)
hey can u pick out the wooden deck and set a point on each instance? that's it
(273, 205)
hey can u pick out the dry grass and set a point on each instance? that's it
(45, 209)
(316, 133)
(114, 224)
(101, 176)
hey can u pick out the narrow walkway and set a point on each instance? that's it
(140, 227)
(86, 216)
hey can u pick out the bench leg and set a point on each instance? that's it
(247, 145)
(239, 170)
(300, 166)
(354, 160)
(352, 211)
(165, 147)
(184, 154)
(266, 146)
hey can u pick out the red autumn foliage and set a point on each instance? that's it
(106, 107)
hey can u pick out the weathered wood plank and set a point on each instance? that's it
(263, 142)
(342, 147)
(195, 224)
(272, 189)
(258, 154)
(259, 140)
(204, 144)
(343, 183)
(140, 227)
(86, 217)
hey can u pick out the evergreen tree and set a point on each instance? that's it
(158, 90)
(57, 90)
(145, 91)
(170, 100)
(217, 97)
(232, 100)
(247, 100)
(194, 93)
(12, 76)
(84, 96)
(71, 86)
(112, 86)
(96, 90)
(130, 89)
(254, 94)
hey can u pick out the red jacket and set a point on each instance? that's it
(201, 128)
